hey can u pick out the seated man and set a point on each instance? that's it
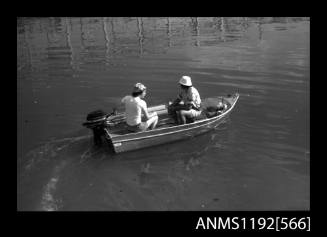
(135, 106)
(188, 102)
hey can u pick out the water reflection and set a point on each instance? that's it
(260, 30)
(28, 49)
(245, 23)
(140, 34)
(168, 32)
(112, 30)
(69, 44)
(56, 22)
(223, 29)
(195, 30)
(107, 39)
(59, 50)
(98, 37)
(110, 38)
(216, 23)
(82, 32)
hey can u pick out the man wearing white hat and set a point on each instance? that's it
(188, 102)
(134, 107)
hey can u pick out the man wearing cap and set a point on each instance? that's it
(188, 102)
(134, 107)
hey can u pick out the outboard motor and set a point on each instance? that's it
(96, 122)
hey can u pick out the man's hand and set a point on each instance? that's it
(189, 105)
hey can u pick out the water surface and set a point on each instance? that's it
(258, 160)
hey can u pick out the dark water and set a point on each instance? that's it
(258, 160)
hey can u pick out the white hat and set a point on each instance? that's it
(139, 87)
(186, 81)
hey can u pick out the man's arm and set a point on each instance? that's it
(177, 101)
(193, 100)
(123, 100)
(146, 113)
(190, 103)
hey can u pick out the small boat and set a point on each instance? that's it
(113, 126)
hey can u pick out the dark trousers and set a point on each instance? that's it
(172, 109)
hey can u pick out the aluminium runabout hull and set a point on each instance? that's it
(121, 142)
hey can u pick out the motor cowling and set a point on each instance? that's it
(95, 120)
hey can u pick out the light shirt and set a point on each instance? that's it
(191, 95)
(133, 109)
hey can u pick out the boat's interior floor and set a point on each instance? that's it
(165, 121)
(121, 128)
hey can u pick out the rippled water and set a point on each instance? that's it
(258, 160)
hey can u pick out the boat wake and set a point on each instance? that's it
(49, 202)
(55, 149)
(45, 167)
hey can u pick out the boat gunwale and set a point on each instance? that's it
(115, 138)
